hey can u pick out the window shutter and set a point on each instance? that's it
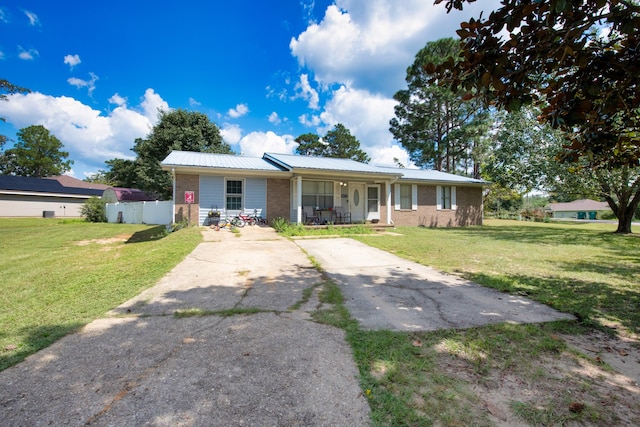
(414, 197)
(454, 206)
(396, 196)
(438, 197)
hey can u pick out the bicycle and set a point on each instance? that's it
(248, 219)
(235, 221)
(256, 218)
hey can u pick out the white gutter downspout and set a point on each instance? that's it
(388, 185)
(299, 199)
(173, 199)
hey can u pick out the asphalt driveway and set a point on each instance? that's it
(143, 366)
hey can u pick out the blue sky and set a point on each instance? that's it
(263, 71)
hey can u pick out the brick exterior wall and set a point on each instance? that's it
(278, 198)
(468, 201)
(187, 183)
(468, 212)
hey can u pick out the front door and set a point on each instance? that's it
(357, 202)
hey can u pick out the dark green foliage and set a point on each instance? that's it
(433, 123)
(338, 143)
(176, 130)
(37, 154)
(93, 210)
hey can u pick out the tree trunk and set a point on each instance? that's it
(625, 216)
(626, 189)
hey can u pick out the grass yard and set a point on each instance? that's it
(59, 275)
(548, 374)
(578, 268)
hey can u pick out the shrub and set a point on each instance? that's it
(279, 224)
(94, 210)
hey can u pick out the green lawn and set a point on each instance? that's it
(59, 275)
(469, 377)
(583, 269)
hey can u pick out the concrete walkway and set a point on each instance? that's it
(143, 366)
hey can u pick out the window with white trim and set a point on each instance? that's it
(406, 196)
(317, 194)
(233, 195)
(446, 197)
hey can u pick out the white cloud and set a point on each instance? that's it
(372, 43)
(3, 15)
(89, 84)
(239, 111)
(27, 55)
(89, 136)
(32, 17)
(72, 60)
(255, 144)
(366, 115)
(387, 156)
(231, 133)
(194, 103)
(309, 120)
(152, 104)
(306, 92)
(118, 100)
(274, 118)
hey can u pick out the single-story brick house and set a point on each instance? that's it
(578, 209)
(289, 186)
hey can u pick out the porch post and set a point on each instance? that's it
(173, 197)
(388, 187)
(299, 199)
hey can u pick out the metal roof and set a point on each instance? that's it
(580, 205)
(275, 162)
(42, 185)
(434, 176)
(291, 162)
(221, 161)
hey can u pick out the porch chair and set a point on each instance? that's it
(309, 216)
(342, 216)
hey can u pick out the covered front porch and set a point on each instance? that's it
(337, 191)
(320, 201)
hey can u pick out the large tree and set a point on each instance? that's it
(524, 158)
(433, 124)
(579, 59)
(37, 153)
(338, 142)
(176, 130)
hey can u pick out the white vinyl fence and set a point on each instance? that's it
(140, 212)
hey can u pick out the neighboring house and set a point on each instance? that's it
(39, 197)
(578, 209)
(287, 186)
(119, 194)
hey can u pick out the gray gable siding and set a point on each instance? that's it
(211, 195)
(255, 195)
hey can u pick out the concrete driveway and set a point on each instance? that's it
(143, 366)
(383, 291)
